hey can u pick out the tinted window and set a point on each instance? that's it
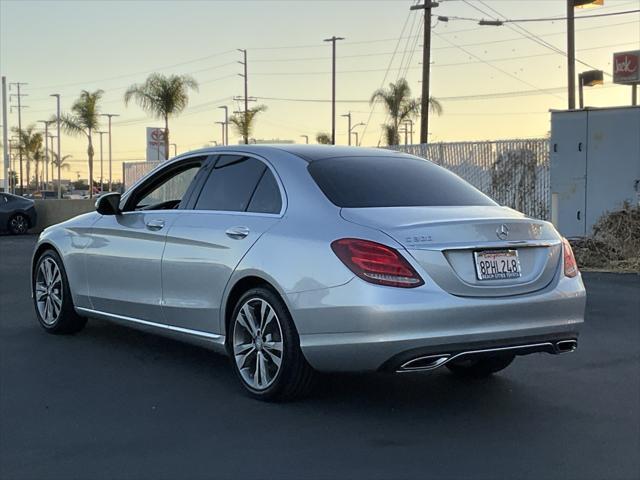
(231, 184)
(392, 182)
(266, 198)
(168, 191)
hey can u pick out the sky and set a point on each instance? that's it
(493, 82)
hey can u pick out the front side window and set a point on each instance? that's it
(357, 182)
(238, 184)
(166, 191)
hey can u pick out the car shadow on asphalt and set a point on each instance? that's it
(439, 390)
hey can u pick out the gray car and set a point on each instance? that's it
(296, 259)
(17, 214)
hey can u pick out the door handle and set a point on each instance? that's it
(237, 233)
(156, 224)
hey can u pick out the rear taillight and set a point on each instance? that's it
(376, 263)
(570, 265)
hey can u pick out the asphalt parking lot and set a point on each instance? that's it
(112, 402)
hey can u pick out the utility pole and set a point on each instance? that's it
(306, 139)
(109, 116)
(426, 65)
(57, 95)
(571, 55)
(246, 95)
(333, 41)
(348, 115)
(5, 137)
(101, 163)
(226, 125)
(19, 96)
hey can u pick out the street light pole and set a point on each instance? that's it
(5, 137)
(109, 116)
(306, 138)
(46, 150)
(101, 163)
(348, 115)
(410, 122)
(57, 95)
(51, 137)
(175, 149)
(222, 124)
(333, 86)
(351, 128)
(571, 55)
(226, 125)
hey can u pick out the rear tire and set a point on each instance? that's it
(265, 348)
(18, 224)
(480, 367)
(52, 298)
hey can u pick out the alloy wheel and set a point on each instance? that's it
(18, 224)
(48, 290)
(258, 343)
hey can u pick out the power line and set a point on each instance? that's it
(384, 78)
(532, 36)
(477, 96)
(122, 87)
(545, 19)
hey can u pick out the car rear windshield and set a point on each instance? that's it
(355, 182)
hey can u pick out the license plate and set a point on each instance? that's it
(497, 264)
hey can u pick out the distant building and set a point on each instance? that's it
(260, 141)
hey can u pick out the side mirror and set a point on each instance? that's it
(108, 204)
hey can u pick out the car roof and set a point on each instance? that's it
(309, 153)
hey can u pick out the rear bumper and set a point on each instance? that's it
(363, 327)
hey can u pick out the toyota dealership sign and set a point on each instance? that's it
(155, 144)
(626, 68)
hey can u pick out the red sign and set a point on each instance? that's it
(626, 67)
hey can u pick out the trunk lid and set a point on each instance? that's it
(445, 241)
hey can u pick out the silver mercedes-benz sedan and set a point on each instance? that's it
(296, 259)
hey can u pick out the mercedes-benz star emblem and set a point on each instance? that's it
(502, 232)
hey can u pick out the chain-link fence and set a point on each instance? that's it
(134, 171)
(514, 173)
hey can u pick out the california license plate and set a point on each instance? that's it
(497, 264)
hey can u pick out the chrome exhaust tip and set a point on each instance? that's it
(420, 364)
(566, 346)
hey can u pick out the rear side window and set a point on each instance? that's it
(356, 182)
(266, 198)
(231, 184)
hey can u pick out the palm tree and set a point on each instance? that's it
(83, 120)
(13, 180)
(163, 97)
(30, 142)
(323, 138)
(64, 165)
(244, 124)
(400, 107)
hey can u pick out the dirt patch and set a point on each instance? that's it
(615, 243)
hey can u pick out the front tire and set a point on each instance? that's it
(52, 297)
(265, 348)
(480, 367)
